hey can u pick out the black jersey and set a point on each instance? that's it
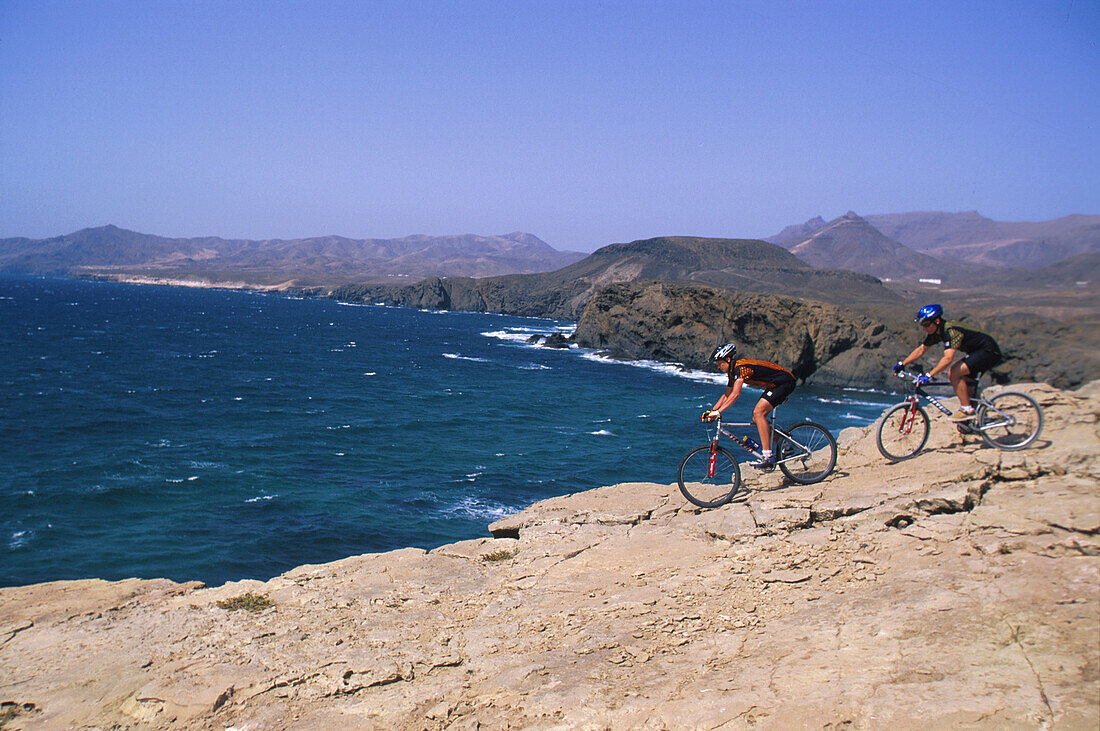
(760, 373)
(957, 336)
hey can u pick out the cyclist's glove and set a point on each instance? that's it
(899, 368)
(923, 379)
(710, 415)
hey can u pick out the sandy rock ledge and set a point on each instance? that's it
(959, 588)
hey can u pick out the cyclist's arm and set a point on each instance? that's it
(945, 362)
(917, 354)
(731, 394)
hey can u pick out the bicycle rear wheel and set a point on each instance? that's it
(1010, 420)
(814, 450)
(701, 485)
(902, 432)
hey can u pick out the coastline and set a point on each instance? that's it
(958, 588)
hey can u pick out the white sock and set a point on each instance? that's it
(767, 453)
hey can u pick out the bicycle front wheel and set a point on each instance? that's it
(703, 486)
(1010, 420)
(813, 450)
(902, 432)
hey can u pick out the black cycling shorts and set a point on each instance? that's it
(778, 393)
(981, 361)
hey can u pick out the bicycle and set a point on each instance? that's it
(709, 476)
(1008, 420)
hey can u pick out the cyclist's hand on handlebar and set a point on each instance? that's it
(711, 415)
(899, 368)
(923, 379)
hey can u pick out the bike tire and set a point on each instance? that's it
(1010, 420)
(698, 487)
(814, 466)
(894, 440)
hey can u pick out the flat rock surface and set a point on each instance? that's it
(959, 588)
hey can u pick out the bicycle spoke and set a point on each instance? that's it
(705, 485)
(808, 453)
(1011, 420)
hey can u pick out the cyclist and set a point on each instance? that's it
(982, 353)
(777, 382)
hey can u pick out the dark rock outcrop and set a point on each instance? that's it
(822, 343)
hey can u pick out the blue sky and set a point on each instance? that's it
(585, 123)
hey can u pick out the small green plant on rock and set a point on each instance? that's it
(251, 602)
(499, 555)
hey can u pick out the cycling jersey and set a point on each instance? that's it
(760, 373)
(957, 336)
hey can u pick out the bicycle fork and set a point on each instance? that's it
(713, 458)
(910, 416)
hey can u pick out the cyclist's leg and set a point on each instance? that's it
(959, 374)
(760, 418)
(771, 398)
(965, 373)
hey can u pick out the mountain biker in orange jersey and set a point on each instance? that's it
(982, 353)
(777, 382)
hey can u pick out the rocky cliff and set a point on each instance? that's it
(823, 343)
(961, 588)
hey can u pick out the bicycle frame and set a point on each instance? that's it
(741, 441)
(913, 401)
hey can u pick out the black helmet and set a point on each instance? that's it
(928, 312)
(724, 351)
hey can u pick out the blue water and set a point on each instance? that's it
(217, 435)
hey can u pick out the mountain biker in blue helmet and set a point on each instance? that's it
(981, 353)
(777, 382)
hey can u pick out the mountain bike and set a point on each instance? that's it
(709, 476)
(1008, 420)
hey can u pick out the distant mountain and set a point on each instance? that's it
(798, 232)
(1078, 270)
(971, 237)
(851, 243)
(328, 260)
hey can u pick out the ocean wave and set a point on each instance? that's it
(455, 356)
(482, 510)
(848, 402)
(602, 433)
(261, 498)
(20, 539)
(672, 369)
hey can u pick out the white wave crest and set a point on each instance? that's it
(456, 356)
(672, 369)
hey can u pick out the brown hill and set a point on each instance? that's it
(739, 264)
(851, 243)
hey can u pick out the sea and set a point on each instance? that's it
(215, 435)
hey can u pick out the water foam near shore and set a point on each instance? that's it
(215, 435)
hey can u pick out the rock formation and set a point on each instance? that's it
(960, 588)
(825, 344)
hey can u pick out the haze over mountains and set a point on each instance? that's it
(939, 245)
(952, 247)
(116, 252)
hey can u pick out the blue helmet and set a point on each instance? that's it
(928, 312)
